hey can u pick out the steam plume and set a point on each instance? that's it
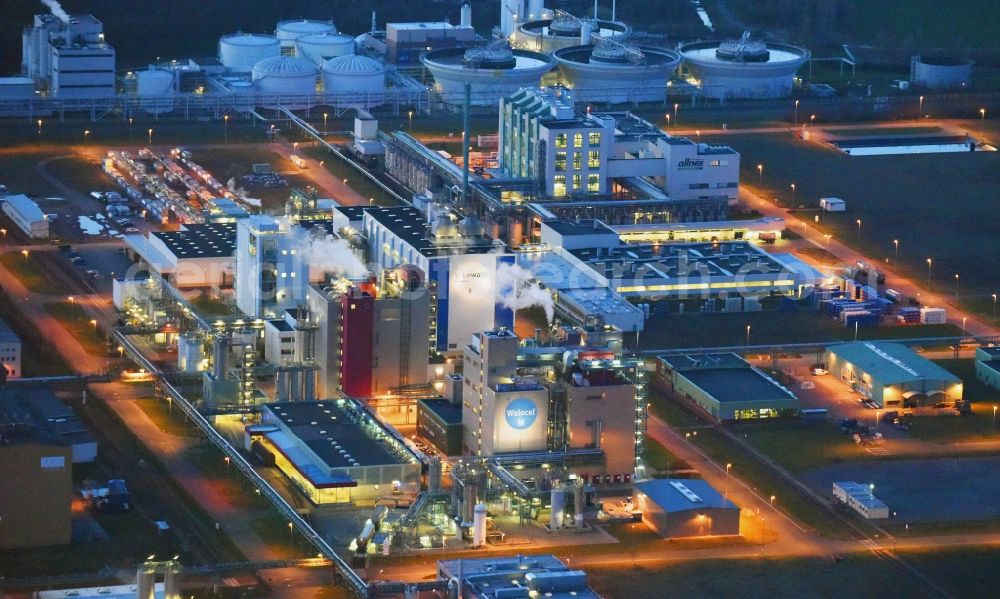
(57, 9)
(516, 290)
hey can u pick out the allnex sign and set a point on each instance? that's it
(521, 413)
(690, 164)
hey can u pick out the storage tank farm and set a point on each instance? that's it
(324, 46)
(288, 32)
(155, 90)
(743, 68)
(563, 30)
(285, 80)
(241, 51)
(360, 76)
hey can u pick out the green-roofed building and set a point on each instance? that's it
(892, 374)
(726, 386)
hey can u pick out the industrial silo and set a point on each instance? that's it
(155, 89)
(323, 47)
(239, 51)
(289, 31)
(357, 79)
(941, 72)
(284, 80)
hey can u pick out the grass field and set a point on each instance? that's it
(964, 573)
(661, 459)
(32, 274)
(800, 446)
(355, 179)
(938, 206)
(79, 324)
(803, 326)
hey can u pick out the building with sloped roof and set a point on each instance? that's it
(892, 374)
(686, 508)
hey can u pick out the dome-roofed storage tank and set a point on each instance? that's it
(357, 76)
(288, 32)
(291, 79)
(493, 71)
(240, 51)
(942, 72)
(743, 68)
(155, 89)
(614, 72)
(323, 47)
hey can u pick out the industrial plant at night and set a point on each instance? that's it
(499, 299)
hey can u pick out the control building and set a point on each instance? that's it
(405, 42)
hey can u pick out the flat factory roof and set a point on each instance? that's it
(333, 434)
(890, 363)
(681, 495)
(409, 224)
(728, 385)
(689, 260)
(448, 412)
(202, 240)
(878, 142)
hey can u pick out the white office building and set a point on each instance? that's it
(69, 57)
(541, 136)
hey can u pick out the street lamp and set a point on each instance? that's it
(728, 476)
(225, 119)
(793, 194)
(25, 254)
(795, 119)
(39, 126)
(964, 318)
(859, 230)
(982, 115)
(668, 121)
(956, 287)
(760, 174)
(773, 497)
(86, 134)
(895, 263)
(812, 119)
(748, 338)
(920, 109)
(130, 119)
(226, 458)
(676, 106)
(93, 323)
(291, 529)
(149, 135)
(994, 420)
(410, 114)
(930, 263)
(827, 236)
(994, 295)
(325, 114)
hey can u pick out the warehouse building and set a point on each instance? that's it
(439, 421)
(515, 577)
(38, 409)
(725, 385)
(988, 366)
(27, 216)
(196, 255)
(892, 374)
(10, 352)
(334, 451)
(686, 508)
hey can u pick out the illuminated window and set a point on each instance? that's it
(578, 140)
(577, 161)
(561, 140)
(560, 161)
(720, 163)
(594, 159)
(595, 139)
(593, 183)
(577, 182)
(559, 186)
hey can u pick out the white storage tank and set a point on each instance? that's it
(358, 75)
(239, 51)
(942, 72)
(287, 76)
(323, 47)
(289, 31)
(155, 88)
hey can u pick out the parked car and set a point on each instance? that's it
(820, 371)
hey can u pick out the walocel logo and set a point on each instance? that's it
(521, 413)
(690, 165)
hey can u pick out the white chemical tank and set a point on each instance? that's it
(289, 31)
(358, 75)
(291, 78)
(466, 15)
(155, 89)
(323, 47)
(239, 52)
(558, 508)
(479, 525)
